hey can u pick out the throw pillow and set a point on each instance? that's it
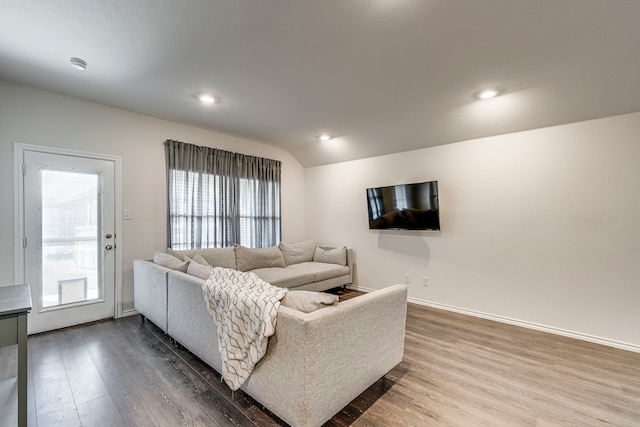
(295, 253)
(181, 255)
(250, 259)
(198, 258)
(215, 257)
(170, 261)
(308, 301)
(331, 255)
(202, 271)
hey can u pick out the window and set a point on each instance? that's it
(374, 197)
(400, 197)
(217, 198)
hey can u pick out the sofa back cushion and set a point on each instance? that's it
(331, 255)
(219, 257)
(199, 260)
(215, 257)
(295, 253)
(184, 255)
(250, 259)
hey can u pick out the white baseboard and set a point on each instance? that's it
(130, 312)
(522, 323)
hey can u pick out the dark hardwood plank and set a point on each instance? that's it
(84, 378)
(457, 371)
(255, 413)
(52, 392)
(157, 388)
(100, 412)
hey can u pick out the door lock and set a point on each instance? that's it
(108, 236)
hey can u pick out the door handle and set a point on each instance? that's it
(108, 247)
(108, 236)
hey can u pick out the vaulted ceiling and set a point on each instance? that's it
(379, 76)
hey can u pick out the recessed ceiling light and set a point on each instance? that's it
(78, 63)
(325, 137)
(205, 98)
(487, 94)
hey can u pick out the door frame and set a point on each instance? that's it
(19, 269)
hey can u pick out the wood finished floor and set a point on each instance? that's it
(457, 371)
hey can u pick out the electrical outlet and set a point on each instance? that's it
(425, 281)
(407, 279)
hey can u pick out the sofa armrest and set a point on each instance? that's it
(359, 340)
(350, 260)
(189, 321)
(350, 264)
(150, 291)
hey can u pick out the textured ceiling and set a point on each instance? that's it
(381, 76)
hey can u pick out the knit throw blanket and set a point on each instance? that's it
(244, 309)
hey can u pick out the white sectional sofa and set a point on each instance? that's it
(301, 266)
(316, 363)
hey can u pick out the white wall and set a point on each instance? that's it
(38, 117)
(540, 226)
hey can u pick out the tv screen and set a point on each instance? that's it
(406, 206)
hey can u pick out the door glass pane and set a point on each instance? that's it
(70, 237)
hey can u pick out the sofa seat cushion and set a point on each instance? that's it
(320, 270)
(283, 277)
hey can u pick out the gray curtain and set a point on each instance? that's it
(217, 198)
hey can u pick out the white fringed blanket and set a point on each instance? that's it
(244, 308)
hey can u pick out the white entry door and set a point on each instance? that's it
(70, 241)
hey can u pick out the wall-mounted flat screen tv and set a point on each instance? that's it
(404, 207)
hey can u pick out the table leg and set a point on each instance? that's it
(22, 370)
